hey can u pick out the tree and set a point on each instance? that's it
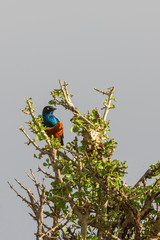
(87, 197)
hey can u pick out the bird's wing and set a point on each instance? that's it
(57, 119)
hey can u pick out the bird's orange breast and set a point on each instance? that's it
(56, 131)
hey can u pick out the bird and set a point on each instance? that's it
(53, 125)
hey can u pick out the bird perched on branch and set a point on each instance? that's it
(54, 126)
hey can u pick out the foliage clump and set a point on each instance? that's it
(87, 197)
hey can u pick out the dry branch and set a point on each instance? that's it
(33, 142)
(54, 228)
(108, 104)
(67, 104)
(148, 174)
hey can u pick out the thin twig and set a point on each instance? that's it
(112, 236)
(19, 195)
(68, 103)
(54, 228)
(32, 141)
(48, 175)
(108, 104)
(35, 181)
(149, 173)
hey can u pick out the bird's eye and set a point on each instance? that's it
(48, 108)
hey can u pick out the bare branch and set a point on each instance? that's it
(112, 236)
(54, 228)
(68, 103)
(20, 196)
(40, 212)
(149, 173)
(48, 175)
(35, 181)
(100, 91)
(67, 97)
(32, 141)
(30, 194)
(108, 104)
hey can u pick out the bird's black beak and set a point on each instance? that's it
(53, 108)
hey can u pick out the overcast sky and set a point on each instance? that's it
(89, 44)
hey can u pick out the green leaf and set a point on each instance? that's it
(77, 194)
(52, 102)
(81, 149)
(75, 129)
(45, 164)
(69, 177)
(71, 129)
(157, 200)
(70, 189)
(43, 137)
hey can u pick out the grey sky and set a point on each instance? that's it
(89, 44)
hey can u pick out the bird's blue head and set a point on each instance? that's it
(49, 119)
(48, 110)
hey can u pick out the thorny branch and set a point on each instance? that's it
(36, 206)
(54, 228)
(68, 103)
(48, 175)
(148, 174)
(43, 151)
(108, 104)
(19, 195)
